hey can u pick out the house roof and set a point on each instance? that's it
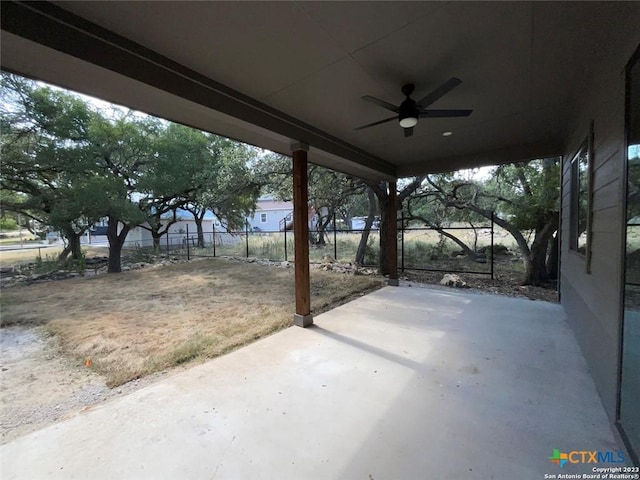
(273, 73)
(270, 204)
(186, 215)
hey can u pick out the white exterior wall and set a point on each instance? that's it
(272, 223)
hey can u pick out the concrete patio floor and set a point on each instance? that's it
(404, 383)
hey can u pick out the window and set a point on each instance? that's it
(629, 390)
(580, 209)
(263, 218)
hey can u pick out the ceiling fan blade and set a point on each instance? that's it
(408, 132)
(442, 90)
(377, 123)
(444, 113)
(381, 103)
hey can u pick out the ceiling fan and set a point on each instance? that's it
(410, 111)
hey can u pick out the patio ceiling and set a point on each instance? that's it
(270, 73)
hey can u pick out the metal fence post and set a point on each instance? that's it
(246, 231)
(335, 238)
(285, 240)
(402, 241)
(492, 249)
(188, 255)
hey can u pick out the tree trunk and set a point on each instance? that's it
(382, 193)
(364, 237)
(536, 271)
(73, 246)
(322, 224)
(158, 228)
(198, 219)
(157, 237)
(525, 251)
(554, 257)
(116, 242)
(469, 252)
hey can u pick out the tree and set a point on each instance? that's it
(430, 210)
(222, 182)
(366, 231)
(122, 149)
(67, 165)
(42, 137)
(180, 154)
(381, 191)
(329, 192)
(521, 197)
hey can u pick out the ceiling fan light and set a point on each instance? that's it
(408, 122)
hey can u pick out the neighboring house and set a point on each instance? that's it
(270, 214)
(177, 235)
(358, 223)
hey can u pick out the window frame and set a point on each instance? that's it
(263, 218)
(585, 150)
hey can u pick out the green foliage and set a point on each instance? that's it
(50, 264)
(526, 192)
(67, 165)
(8, 224)
(43, 132)
(519, 197)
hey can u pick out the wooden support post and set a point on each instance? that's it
(392, 236)
(302, 316)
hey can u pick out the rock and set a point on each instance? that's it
(95, 260)
(328, 259)
(498, 249)
(451, 280)
(285, 264)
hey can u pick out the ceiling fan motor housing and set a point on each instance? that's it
(408, 109)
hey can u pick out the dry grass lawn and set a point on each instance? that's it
(139, 322)
(27, 255)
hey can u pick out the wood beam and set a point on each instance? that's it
(392, 235)
(302, 316)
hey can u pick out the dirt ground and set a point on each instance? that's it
(507, 281)
(40, 386)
